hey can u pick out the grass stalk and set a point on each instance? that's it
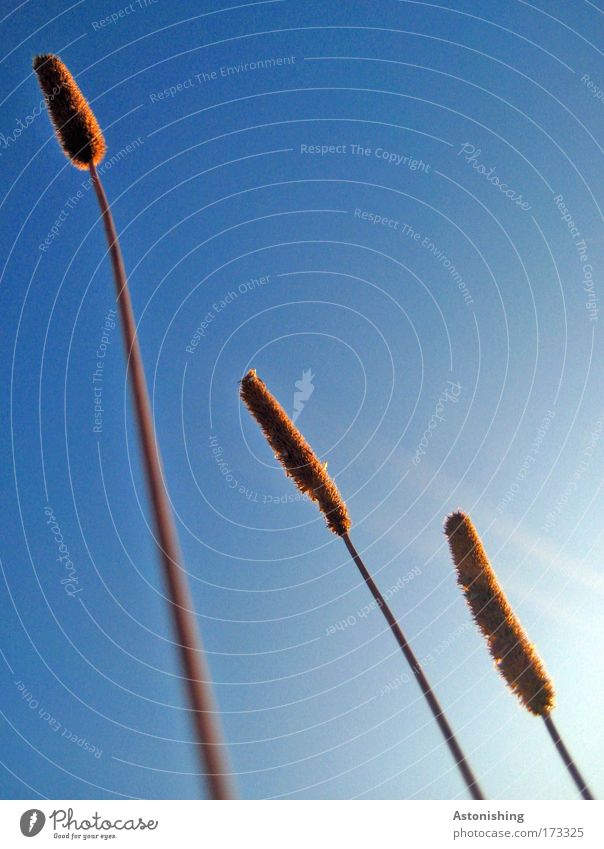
(310, 476)
(514, 655)
(81, 139)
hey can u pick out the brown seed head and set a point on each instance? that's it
(514, 654)
(294, 453)
(76, 128)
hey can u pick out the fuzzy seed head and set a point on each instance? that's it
(76, 128)
(294, 453)
(513, 653)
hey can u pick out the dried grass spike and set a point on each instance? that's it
(514, 654)
(76, 127)
(294, 453)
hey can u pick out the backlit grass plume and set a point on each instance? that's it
(294, 453)
(80, 136)
(513, 653)
(310, 476)
(511, 649)
(77, 129)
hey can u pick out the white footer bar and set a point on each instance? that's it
(302, 824)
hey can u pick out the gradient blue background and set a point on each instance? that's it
(218, 193)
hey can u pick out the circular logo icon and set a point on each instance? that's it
(32, 822)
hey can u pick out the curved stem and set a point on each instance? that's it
(437, 712)
(209, 738)
(567, 758)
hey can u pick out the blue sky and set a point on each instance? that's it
(337, 211)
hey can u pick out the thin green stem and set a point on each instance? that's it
(450, 739)
(207, 728)
(567, 758)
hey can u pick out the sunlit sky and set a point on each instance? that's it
(313, 190)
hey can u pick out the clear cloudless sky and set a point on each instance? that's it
(309, 189)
